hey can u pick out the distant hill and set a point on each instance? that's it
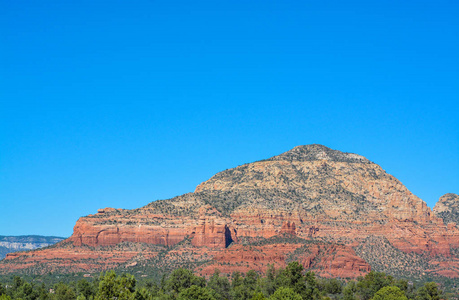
(10, 244)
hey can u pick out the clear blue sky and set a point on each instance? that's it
(119, 103)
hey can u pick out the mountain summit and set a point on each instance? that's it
(337, 213)
(319, 152)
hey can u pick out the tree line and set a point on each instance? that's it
(292, 282)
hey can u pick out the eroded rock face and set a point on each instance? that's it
(447, 208)
(335, 261)
(115, 229)
(288, 227)
(311, 193)
(212, 232)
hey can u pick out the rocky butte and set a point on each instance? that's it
(337, 213)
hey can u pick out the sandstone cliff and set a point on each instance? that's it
(333, 204)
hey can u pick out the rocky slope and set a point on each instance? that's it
(447, 208)
(9, 244)
(320, 206)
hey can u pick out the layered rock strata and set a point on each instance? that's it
(311, 193)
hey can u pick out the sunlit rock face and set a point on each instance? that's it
(447, 208)
(318, 197)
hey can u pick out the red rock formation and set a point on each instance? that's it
(324, 259)
(244, 258)
(288, 227)
(335, 261)
(67, 258)
(87, 232)
(309, 193)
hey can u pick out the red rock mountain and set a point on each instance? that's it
(337, 213)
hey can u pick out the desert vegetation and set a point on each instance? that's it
(292, 282)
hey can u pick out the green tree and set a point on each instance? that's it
(269, 281)
(220, 285)
(152, 288)
(26, 292)
(285, 293)
(236, 279)
(292, 277)
(43, 293)
(390, 293)
(2, 289)
(333, 286)
(17, 283)
(115, 287)
(195, 293)
(85, 288)
(311, 291)
(181, 279)
(423, 294)
(350, 290)
(5, 297)
(63, 292)
(141, 294)
(402, 284)
(250, 279)
(372, 282)
(258, 296)
(243, 288)
(433, 291)
(163, 282)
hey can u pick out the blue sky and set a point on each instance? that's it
(119, 103)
